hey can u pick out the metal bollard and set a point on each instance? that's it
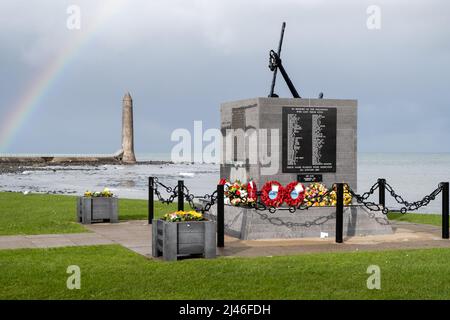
(151, 201)
(445, 210)
(180, 195)
(220, 217)
(339, 212)
(382, 192)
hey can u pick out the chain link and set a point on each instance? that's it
(189, 197)
(412, 206)
(362, 199)
(173, 192)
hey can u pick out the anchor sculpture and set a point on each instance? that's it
(275, 63)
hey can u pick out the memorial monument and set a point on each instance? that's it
(315, 140)
(292, 139)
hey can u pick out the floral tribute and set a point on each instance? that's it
(106, 193)
(294, 194)
(238, 193)
(252, 192)
(316, 195)
(347, 196)
(179, 216)
(272, 194)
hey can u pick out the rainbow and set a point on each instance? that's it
(43, 82)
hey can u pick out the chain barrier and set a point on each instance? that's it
(173, 192)
(406, 206)
(412, 206)
(210, 200)
(188, 196)
(362, 199)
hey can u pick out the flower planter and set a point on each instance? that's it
(173, 240)
(97, 209)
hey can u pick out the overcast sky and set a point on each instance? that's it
(181, 59)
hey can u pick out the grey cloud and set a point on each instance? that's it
(181, 59)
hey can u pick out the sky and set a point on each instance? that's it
(61, 88)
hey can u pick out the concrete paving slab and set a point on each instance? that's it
(52, 242)
(15, 242)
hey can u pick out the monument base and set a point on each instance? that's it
(251, 224)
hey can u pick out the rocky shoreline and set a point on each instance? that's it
(19, 167)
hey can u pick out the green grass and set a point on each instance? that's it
(37, 214)
(50, 214)
(113, 272)
(138, 209)
(433, 219)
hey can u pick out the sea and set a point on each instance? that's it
(412, 175)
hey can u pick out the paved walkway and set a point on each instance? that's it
(136, 236)
(52, 240)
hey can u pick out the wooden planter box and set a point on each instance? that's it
(95, 209)
(179, 239)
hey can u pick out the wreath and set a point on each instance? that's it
(294, 194)
(269, 196)
(251, 192)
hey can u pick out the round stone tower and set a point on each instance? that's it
(127, 130)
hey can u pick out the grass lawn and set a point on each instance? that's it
(433, 219)
(48, 214)
(113, 272)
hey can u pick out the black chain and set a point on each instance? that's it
(406, 206)
(189, 197)
(172, 191)
(367, 194)
(412, 206)
(362, 199)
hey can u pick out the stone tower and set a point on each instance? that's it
(127, 130)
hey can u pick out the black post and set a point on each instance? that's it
(151, 201)
(180, 195)
(220, 217)
(382, 192)
(445, 200)
(339, 211)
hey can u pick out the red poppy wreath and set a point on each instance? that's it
(294, 194)
(272, 194)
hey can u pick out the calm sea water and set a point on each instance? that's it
(412, 175)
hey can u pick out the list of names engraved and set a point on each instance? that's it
(309, 139)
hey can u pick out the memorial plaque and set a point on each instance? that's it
(309, 139)
(308, 178)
